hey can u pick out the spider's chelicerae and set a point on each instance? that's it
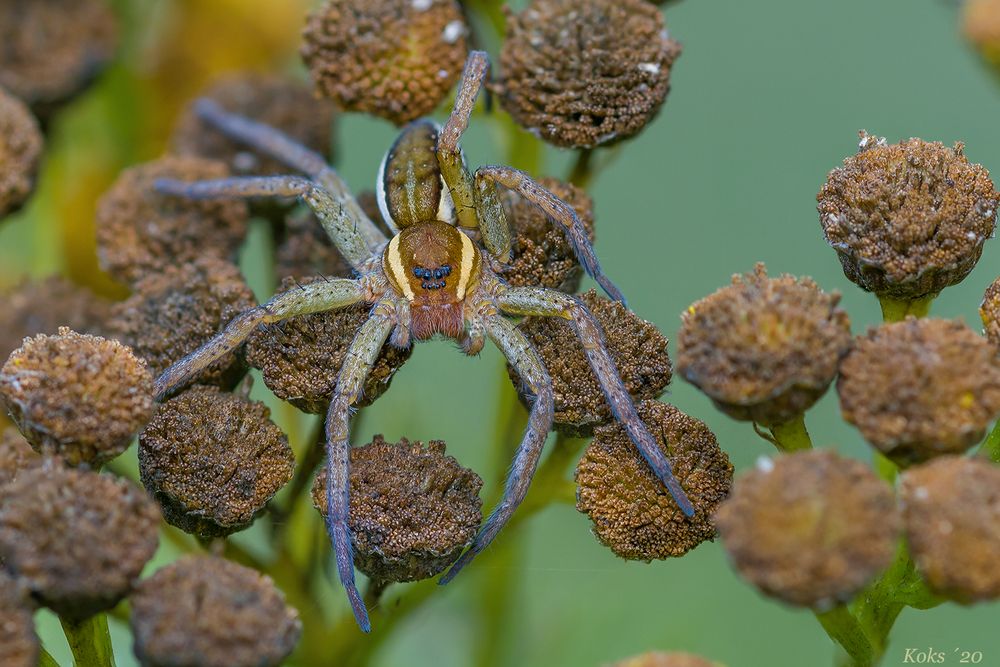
(430, 278)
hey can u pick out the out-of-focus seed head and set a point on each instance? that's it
(300, 358)
(213, 460)
(306, 250)
(951, 508)
(20, 149)
(140, 231)
(763, 349)
(907, 219)
(396, 59)
(660, 659)
(76, 396)
(413, 509)
(77, 539)
(810, 528)
(18, 641)
(981, 26)
(920, 388)
(173, 311)
(54, 48)
(636, 346)
(203, 611)
(989, 311)
(630, 512)
(586, 73)
(541, 255)
(16, 456)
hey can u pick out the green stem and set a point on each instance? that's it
(885, 468)
(896, 310)
(90, 641)
(792, 435)
(45, 659)
(842, 627)
(991, 446)
(582, 172)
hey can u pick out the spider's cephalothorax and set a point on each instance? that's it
(430, 278)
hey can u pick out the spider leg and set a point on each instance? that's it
(361, 356)
(338, 221)
(278, 145)
(311, 298)
(518, 349)
(550, 303)
(558, 210)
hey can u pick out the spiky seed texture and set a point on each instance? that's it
(920, 388)
(21, 145)
(18, 641)
(951, 508)
(664, 659)
(763, 349)
(625, 501)
(175, 310)
(396, 59)
(140, 231)
(300, 358)
(413, 508)
(907, 219)
(636, 346)
(989, 312)
(213, 460)
(77, 539)
(16, 456)
(76, 396)
(810, 528)
(204, 611)
(586, 73)
(981, 27)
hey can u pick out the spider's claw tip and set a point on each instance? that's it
(360, 611)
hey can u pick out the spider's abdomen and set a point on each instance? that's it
(410, 189)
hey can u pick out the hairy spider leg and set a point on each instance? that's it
(335, 218)
(311, 298)
(519, 351)
(558, 210)
(276, 144)
(550, 303)
(361, 356)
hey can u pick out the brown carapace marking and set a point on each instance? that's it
(410, 186)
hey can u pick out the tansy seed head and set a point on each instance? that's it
(18, 641)
(981, 26)
(20, 149)
(989, 311)
(16, 456)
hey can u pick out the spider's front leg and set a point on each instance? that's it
(550, 303)
(312, 298)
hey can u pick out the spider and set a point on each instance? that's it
(432, 277)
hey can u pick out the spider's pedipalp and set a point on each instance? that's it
(545, 302)
(518, 350)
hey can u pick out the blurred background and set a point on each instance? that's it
(767, 97)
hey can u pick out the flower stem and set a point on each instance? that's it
(841, 625)
(582, 170)
(90, 641)
(896, 310)
(792, 436)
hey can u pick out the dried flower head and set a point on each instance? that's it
(637, 347)
(173, 311)
(18, 641)
(16, 456)
(213, 460)
(586, 73)
(951, 507)
(981, 26)
(306, 250)
(541, 255)
(77, 396)
(810, 528)
(624, 499)
(920, 388)
(989, 311)
(763, 349)
(300, 358)
(413, 509)
(202, 611)
(77, 539)
(907, 219)
(396, 59)
(20, 150)
(140, 231)
(660, 659)
(54, 48)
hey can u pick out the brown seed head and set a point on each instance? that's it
(541, 254)
(907, 219)
(586, 73)
(810, 528)
(76, 396)
(981, 26)
(951, 507)
(300, 358)
(77, 539)
(630, 511)
(989, 311)
(173, 311)
(16, 456)
(920, 388)
(20, 149)
(413, 509)
(637, 347)
(202, 611)
(763, 349)
(141, 231)
(396, 59)
(18, 641)
(213, 460)
(660, 659)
